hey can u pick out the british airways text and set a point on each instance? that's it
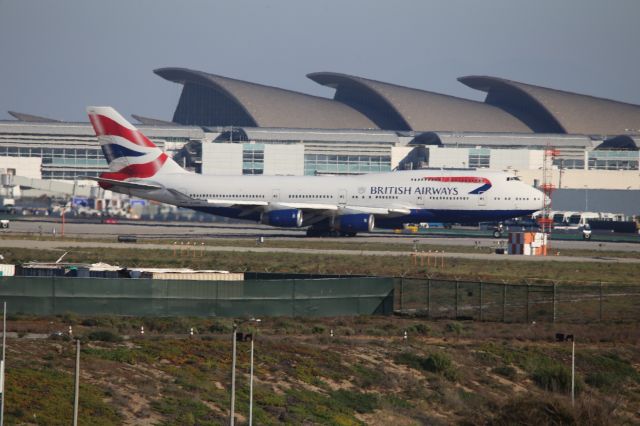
(408, 190)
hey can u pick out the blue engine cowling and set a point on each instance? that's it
(291, 218)
(354, 223)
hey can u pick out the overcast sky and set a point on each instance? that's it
(56, 57)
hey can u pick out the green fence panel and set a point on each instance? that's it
(28, 295)
(147, 297)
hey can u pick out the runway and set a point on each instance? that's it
(61, 244)
(251, 231)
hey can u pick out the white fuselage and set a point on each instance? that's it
(429, 195)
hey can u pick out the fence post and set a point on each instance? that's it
(600, 300)
(401, 294)
(481, 300)
(53, 299)
(504, 302)
(554, 302)
(217, 302)
(428, 298)
(293, 298)
(527, 302)
(456, 305)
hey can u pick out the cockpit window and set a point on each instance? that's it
(513, 178)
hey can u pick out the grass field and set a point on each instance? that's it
(354, 245)
(444, 373)
(456, 268)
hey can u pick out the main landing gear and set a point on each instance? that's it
(327, 232)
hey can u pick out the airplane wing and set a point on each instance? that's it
(379, 211)
(313, 212)
(237, 203)
(319, 209)
(109, 183)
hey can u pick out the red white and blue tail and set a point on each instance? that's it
(129, 153)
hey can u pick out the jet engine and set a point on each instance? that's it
(290, 218)
(352, 223)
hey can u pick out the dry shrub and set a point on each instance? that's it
(550, 410)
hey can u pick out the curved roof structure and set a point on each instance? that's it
(30, 118)
(401, 108)
(151, 121)
(622, 142)
(213, 100)
(555, 111)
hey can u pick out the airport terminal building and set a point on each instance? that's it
(224, 126)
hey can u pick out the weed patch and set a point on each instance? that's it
(506, 371)
(436, 362)
(104, 336)
(553, 377)
(44, 396)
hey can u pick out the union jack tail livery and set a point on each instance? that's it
(130, 154)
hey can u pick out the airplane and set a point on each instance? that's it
(325, 205)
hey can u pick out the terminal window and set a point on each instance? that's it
(614, 160)
(252, 159)
(346, 164)
(479, 158)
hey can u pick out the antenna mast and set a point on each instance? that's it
(546, 221)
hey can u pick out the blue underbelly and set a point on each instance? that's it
(450, 216)
(416, 215)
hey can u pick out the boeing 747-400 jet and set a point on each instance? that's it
(325, 205)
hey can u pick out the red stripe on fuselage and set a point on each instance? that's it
(104, 126)
(459, 179)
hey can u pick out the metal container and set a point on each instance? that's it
(7, 270)
(194, 276)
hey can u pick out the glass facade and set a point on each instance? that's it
(569, 163)
(479, 158)
(252, 158)
(64, 156)
(348, 164)
(614, 160)
(61, 163)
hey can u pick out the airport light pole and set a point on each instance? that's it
(586, 198)
(253, 337)
(233, 377)
(251, 387)
(233, 371)
(4, 345)
(76, 389)
(573, 371)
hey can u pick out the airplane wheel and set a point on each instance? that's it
(348, 234)
(313, 232)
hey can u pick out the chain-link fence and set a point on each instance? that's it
(485, 301)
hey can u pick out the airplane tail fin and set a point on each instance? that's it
(129, 153)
